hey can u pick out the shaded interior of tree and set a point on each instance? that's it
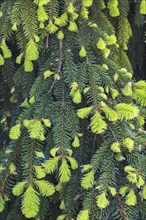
(137, 56)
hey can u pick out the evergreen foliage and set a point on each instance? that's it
(72, 112)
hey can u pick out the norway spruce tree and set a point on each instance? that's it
(72, 138)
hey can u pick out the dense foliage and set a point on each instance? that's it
(72, 116)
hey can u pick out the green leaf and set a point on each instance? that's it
(131, 199)
(39, 154)
(36, 38)
(111, 39)
(32, 100)
(59, 187)
(140, 181)
(32, 52)
(35, 129)
(1, 14)
(64, 172)
(25, 104)
(74, 88)
(28, 65)
(52, 28)
(18, 188)
(61, 217)
(101, 201)
(12, 168)
(2, 204)
(51, 164)
(69, 152)
(41, 137)
(47, 123)
(26, 123)
(77, 98)
(141, 84)
(47, 74)
(14, 27)
(2, 61)
(103, 95)
(87, 167)
(6, 198)
(127, 91)
(60, 35)
(73, 163)
(43, 2)
(62, 20)
(144, 192)
(85, 14)
(70, 8)
(116, 77)
(143, 7)
(112, 190)
(87, 3)
(132, 177)
(42, 14)
(83, 215)
(127, 111)
(128, 144)
(30, 203)
(62, 205)
(114, 92)
(113, 8)
(119, 157)
(123, 190)
(73, 26)
(101, 44)
(19, 58)
(53, 151)
(139, 95)
(13, 99)
(82, 52)
(129, 169)
(39, 172)
(15, 132)
(98, 125)
(84, 112)
(6, 51)
(110, 113)
(76, 142)
(88, 180)
(46, 188)
(115, 147)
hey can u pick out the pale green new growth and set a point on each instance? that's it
(101, 200)
(143, 7)
(127, 111)
(88, 180)
(51, 164)
(131, 199)
(64, 172)
(39, 172)
(83, 215)
(45, 188)
(98, 125)
(84, 112)
(30, 203)
(2, 204)
(19, 188)
(15, 132)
